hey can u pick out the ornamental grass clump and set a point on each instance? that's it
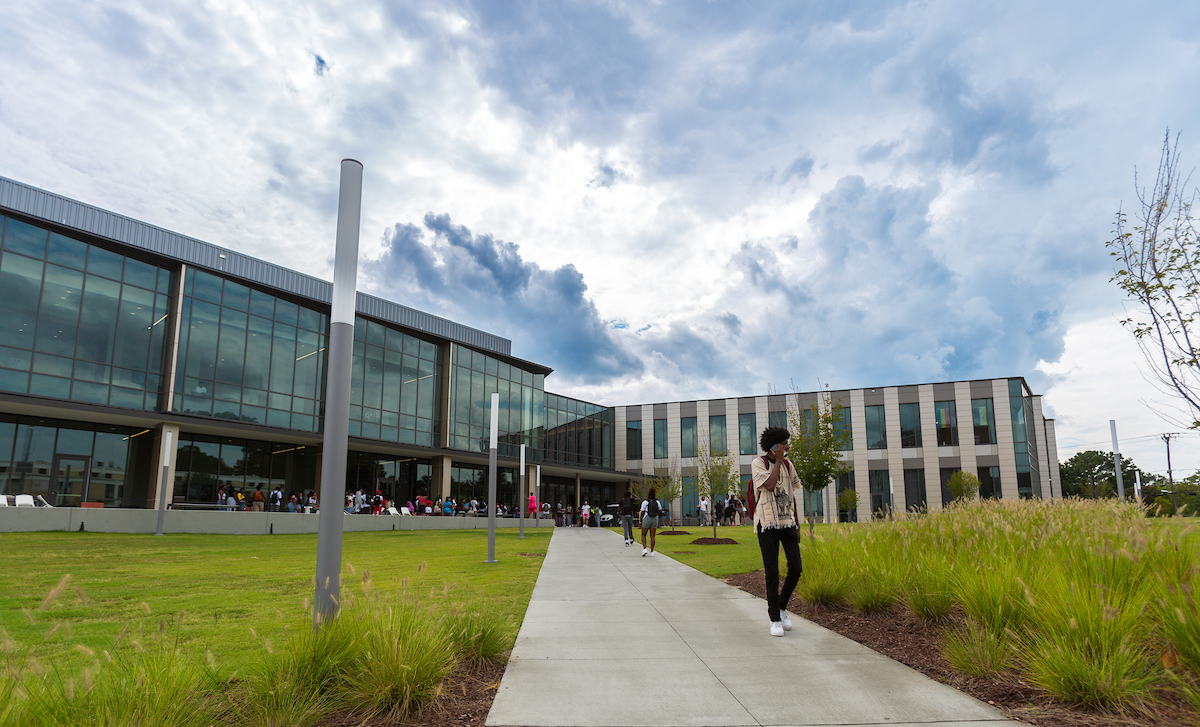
(976, 650)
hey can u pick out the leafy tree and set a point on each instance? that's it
(1089, 474)
(1158, 267)
(716, 476)
(817, 441)
(963, 486)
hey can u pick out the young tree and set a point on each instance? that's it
(667, 484)
(847, 500)
(716, 476)
(963, 486)
(818, 439)
(1158, 266)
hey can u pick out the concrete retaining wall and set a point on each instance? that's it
(116, 520)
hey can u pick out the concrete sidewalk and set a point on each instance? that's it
(612, 638)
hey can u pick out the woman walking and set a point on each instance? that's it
(650, 513)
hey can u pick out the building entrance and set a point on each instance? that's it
(69, 479)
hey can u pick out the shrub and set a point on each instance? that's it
(963, 486)
(975, 650)
(476, 633)
(405, 656)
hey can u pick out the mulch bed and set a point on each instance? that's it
(915, 643)
(718, 541)
(672, 532)
(465, 701)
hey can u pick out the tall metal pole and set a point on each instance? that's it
(521, 497)
(162, 491)
(1112, 425)
(340, 351)
(537, 500)
(492, 482)
(1171, 479)
(1137, 485)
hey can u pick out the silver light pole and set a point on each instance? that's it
(162, 494)
(1112, 425)
(521, 497)
(337, 396)
(492, 483)
(537, 500)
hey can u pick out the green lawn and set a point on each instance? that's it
(230, 584)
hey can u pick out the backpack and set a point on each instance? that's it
(652, 508)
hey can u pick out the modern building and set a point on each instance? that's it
(114, 333)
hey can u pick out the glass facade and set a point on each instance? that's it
(880, 489)
(846, 482)
(946, 422)
(1021, 403)
(249, 356)
(910, 425)
(687, 436)
(876, 428)
(578, 432)
(396, 386)
(843, 428)
(983, 421)
(633, 440)
(67, 463)
(718, 441)
(525, 409)
(660, 439)
(80, 322)
(402, 479)
(777, 419)
(747, 434)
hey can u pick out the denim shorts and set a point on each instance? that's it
(649, 522)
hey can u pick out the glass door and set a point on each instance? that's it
(69, 480)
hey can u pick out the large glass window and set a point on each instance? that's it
(983, 421)
(946, 474)
(947, 423)
(633, 440)
(777, 419)
(687, 436)
(249, 356)
(660, 439)
(527, 414)
(881, 500)
(718, 436)
(989, 483)
(1028, 480)
(395, 386)
(914, 490)
(747, 434)
(910, 425)
(80, 322)
(68, 463)
(876, 428)
(843, 428)
(846, 482)
(206, 464)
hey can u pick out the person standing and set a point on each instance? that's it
(775, 523)
(650, 513)
(703, 510)
(258, 499)
(585, 513)
(626, 511)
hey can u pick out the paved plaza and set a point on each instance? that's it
(613, 638)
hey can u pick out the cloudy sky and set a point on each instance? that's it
(660, 200)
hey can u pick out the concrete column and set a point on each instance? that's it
(578, 501)
(929, 448)
(862, 460)
(439, 488)
(171, 365)
(966, 427)
(163, 456)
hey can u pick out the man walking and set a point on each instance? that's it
(775, 523)
(626, 511)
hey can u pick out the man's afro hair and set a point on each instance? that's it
(772, 436)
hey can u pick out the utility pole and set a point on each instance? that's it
(1170, 478)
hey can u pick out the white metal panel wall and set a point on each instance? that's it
(891, 416)
(933, 472)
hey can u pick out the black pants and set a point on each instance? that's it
(769, 542)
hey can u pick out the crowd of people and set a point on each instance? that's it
(273, 500)
(730, 511)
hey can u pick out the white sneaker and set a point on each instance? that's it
(776, 628)
(785, 620)
(652, 554)
(645, 551)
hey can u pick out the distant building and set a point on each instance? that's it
(114, 332)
